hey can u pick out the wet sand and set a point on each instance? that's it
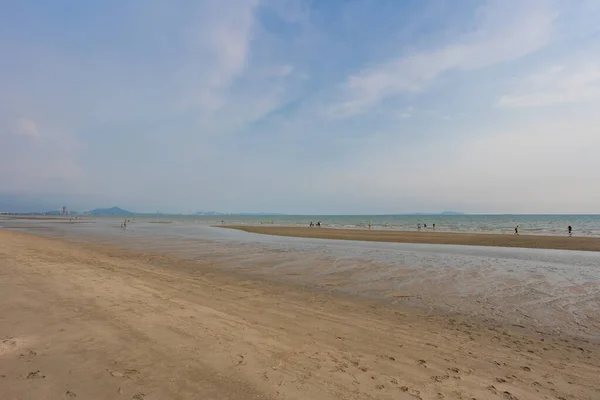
(95, 321)
(48, 218)
(430, 237)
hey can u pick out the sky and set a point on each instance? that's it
(302, 107)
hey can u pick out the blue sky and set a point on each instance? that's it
(301, 106)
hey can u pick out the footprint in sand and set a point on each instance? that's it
(8, 345)
(440, 378)
(35, 375)
(70, 395)
(509, 396)
(412, 392)
(138, 396)
(28, 356)
(240, 360)
(126, 373)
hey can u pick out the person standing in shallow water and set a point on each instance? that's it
(517, 230)
(570, 231)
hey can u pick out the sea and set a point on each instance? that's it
(533, 224)
(583, 225)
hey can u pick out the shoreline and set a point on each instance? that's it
(465, 239)
(95, 321)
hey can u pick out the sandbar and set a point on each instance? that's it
(470, 239)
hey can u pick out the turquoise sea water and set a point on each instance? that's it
(583, 225)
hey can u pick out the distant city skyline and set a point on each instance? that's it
(302, 107)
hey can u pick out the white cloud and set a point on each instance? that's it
(505, 31)
(185, 101)
(285, 70)
(219, 47)
(405, 112)
(26, 127)
(556, 85)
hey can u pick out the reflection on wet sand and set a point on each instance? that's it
(551, 290)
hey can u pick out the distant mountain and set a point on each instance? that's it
(111, 211)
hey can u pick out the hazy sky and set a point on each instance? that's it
(297, 106)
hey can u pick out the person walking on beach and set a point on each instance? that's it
(369, 225)
(570, 231)
(517, 230)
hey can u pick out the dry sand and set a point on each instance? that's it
(96, 322)
(472, 239)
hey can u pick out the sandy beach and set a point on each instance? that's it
(46, 218)
(95, 321)
(431, 237)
